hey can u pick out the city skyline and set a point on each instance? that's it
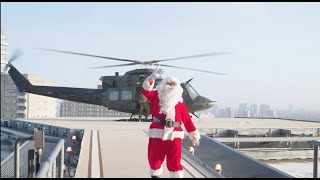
(261, 111)
(274, 46)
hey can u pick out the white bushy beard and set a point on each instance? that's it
(169, 96)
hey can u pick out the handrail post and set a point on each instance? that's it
(17, 155)
(316, 144)
(315, 161)
(54, 169)
(61, 161)
(17, 159)
(31, 164)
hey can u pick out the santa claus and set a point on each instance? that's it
(165, 132)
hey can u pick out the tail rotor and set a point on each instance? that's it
(14, 57)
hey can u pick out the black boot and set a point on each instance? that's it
(155, 176)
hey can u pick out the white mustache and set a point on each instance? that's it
(170, 87)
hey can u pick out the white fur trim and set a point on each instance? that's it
(176, 174)
(146, 85)
(157, 172)
(168, 97)
(171, 114)
(194, 135)
(158, 133)
(167, 133)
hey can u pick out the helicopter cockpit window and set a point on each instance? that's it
(193, 93)
(114, 95)
(126, 95)
(140, 79)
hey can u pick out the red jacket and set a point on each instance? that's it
(157, 130)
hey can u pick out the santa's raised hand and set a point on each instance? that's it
(156, 74)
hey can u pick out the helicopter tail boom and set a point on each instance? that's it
(90, 96)
(21, 82)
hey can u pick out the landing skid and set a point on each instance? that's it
(195, 115)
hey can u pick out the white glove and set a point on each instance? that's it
(195, 142)
(191, 150)
(156, 74)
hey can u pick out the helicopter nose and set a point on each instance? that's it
(203, 103)
(209, 103)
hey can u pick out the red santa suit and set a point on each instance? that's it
(165, 141)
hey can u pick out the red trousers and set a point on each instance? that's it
(158, 150)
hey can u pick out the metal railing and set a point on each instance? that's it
(316, 144)
(205, 170)
(49, 165)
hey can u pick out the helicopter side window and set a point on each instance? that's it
(126, 95)
(193, 93)
(114, 95)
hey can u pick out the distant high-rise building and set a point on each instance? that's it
(229, 112)
(244, 110)
(221, 113)
(253, 110)
(4, 53)
(215, 109)
(264, 108)
(15, 104)
(266, 111)
(272, 113)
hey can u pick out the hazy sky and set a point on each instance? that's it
(275, 46)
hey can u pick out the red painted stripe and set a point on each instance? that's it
(90, 156)
(100, 156)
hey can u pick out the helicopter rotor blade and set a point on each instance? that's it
(90, 55)
(193, 56)
(129, 64)
(211, 72)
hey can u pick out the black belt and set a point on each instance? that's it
(167, 123)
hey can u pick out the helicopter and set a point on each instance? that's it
(119, 92)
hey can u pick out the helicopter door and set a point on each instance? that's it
(126, 95)
(114, 95)
(113, 102)
(121, 100)
(97, 99)
(126, 98)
